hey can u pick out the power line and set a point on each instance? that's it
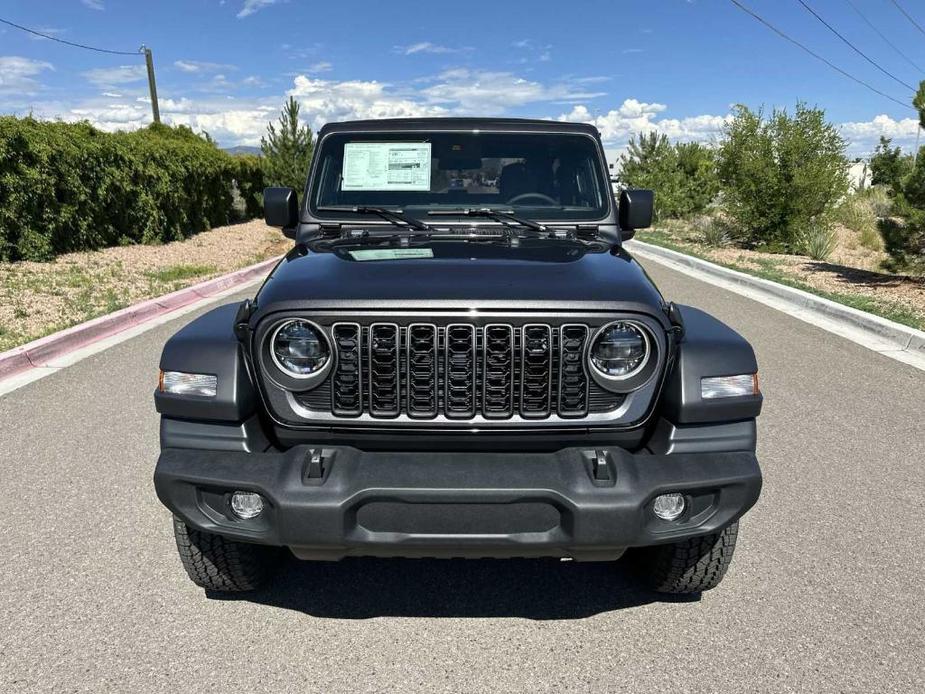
(69, 43)
(883, 36)
(817, 56)
(855, 48)
(908, 16)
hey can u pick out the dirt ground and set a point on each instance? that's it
(40, 298)
(852, 274)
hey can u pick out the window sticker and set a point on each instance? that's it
(386, 166)
(391, 253)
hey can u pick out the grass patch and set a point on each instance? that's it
(178, 273)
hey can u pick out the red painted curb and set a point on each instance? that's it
(46, 349)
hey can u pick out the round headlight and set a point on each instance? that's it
(620, 350)
(299, 349)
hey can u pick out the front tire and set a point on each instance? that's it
(690, 566)
(217, 563)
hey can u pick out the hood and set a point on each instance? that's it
(537, 273)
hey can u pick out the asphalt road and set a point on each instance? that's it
(826, 592)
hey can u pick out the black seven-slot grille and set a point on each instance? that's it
(460, 371)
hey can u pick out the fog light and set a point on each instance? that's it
(246, 504)
(669, 507)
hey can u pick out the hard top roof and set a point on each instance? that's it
(491, 124)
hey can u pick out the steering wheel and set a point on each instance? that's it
(523, 196)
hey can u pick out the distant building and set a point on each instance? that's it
(859, 175)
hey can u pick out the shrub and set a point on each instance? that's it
(888, 166)
(904, 241)
(858, 213)
(67, 187)
(713, 230)
(880, 201)
(780, 173)
(683, 175)
(818, 240)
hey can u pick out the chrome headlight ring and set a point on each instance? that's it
(289, 378)
(639, 375)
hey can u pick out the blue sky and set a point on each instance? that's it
(225, 66)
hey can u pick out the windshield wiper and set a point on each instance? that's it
(395, 216)
(503, 216)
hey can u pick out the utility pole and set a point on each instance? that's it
(152, 85)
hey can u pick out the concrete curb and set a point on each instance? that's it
(882, 335)
(40, 352)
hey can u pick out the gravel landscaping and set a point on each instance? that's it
(851, 275)
(39, 298)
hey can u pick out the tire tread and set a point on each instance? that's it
(217, 563)
(690, 566)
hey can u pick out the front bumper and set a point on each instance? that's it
(457, 504)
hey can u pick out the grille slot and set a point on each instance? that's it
(347, 387)
(383, 370)
(573, 380)
(459, 373)
(536, 371)
(422, 370)
(498, 372)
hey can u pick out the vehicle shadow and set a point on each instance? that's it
(537, 589)
(865, 278)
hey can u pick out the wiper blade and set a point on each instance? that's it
(503, 216)
(395, 216)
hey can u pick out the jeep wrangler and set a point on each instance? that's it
(458, 358)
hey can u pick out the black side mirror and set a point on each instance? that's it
(636, 205)
(281, 209)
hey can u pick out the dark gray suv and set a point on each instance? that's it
(458, 358)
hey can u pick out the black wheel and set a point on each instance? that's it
(690, 566)
(216, 563)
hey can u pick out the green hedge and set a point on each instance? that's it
(68, 187)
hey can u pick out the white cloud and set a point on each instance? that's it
(863, 136)
(192, 66)
(635, 116)
(17, 74)
(617, 125)
(324, 101)
(123, 74)
(252, 6)
(322, 66)
(477, 91)
(94, 4)
(234, 120)
(428, 47)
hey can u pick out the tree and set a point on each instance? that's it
(781, 174)
(919, 103)
(888, 165)
(287, 149)
(682, 175)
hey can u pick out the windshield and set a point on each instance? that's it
(554, 177)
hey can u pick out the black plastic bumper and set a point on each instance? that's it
(457, 504)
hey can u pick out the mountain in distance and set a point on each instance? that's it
(243, 149)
